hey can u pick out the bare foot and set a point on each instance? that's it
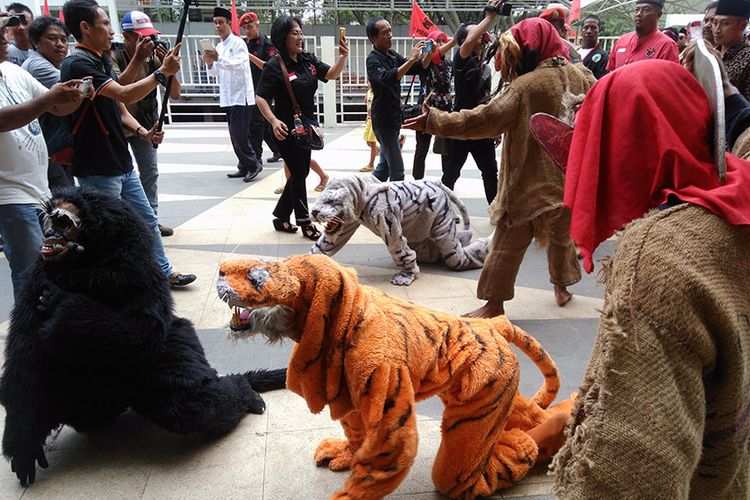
(550, 435)
(562, 295)
(491, 309)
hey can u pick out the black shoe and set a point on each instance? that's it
(166, 231)
(177, 280)
(251, 176)
(273, 159)
(236, 175)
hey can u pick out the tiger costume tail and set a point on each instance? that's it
(534, 350)
(459, 204)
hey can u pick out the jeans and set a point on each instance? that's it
(145, 157)
(128, 188)
(391, 166)
(22, 238)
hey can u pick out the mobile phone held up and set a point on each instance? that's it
(427, 46)
(342, 33)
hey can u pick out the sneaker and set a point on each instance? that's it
(166, 231)
(273, 159)
(177, 280)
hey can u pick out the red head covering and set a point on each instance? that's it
(248, 17)
(643, 134)
(437, 36)
(539, 40)
(553, 14)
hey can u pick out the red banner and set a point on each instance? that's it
(575, 11)
(420, 25)
(45, 9)
(60, 15)
(235, 20)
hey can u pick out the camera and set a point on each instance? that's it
(503, 9)
(158, 41)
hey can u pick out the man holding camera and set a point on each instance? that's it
(385, 69)
(139, 57)
(20, 48)
(101, 160)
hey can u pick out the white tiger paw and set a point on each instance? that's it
(404, 278)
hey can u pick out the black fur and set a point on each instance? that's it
(94, 334)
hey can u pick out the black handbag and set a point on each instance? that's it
(410, 110)
(306, 131)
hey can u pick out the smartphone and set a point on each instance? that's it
(342, 33)
(85, 85)
(696, 32)
(427, 46)
(207, 45)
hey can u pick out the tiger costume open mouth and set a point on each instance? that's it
(273, 320)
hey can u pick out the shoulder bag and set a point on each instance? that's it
(306, 131)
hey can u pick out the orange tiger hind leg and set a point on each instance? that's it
(339, 453)
(477, 455)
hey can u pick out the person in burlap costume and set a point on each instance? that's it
(528, 205)
(663, 408)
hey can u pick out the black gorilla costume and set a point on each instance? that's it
(93, 333)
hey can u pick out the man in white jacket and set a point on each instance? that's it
(230, 63)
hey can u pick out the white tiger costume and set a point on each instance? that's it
(414, 219)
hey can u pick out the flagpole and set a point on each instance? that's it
(170, 80)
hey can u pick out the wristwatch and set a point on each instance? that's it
(160, 77)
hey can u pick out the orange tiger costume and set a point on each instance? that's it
(370, 356)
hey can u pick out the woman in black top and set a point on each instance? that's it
(304, 71)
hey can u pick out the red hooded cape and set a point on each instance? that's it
(642, 134)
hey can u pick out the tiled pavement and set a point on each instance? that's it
(270, 456)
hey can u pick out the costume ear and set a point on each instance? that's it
(554, 136)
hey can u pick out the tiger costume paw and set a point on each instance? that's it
(338, 453)
(403, 278)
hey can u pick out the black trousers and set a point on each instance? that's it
(294, 196)
(420, 155)
(483, 152)
(240, 132)
(261, 131)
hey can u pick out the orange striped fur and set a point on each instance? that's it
(369, 357)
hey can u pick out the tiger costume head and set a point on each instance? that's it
(343, 200)
(274, 298)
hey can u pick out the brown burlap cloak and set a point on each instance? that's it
(663, 409)
(530, 184)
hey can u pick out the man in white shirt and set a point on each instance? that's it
(23, 156)
(230, 63)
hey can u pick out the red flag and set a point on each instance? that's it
(60, 15)
(420, 25)
(235, 20)
(45, 9)
(575, 11)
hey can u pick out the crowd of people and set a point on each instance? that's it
(674, 330)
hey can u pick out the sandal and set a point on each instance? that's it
(284, 226)
(278, 190)
(320, 187)
(310, 232)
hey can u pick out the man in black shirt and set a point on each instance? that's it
(101, 159)
(261, 50)
(594, 58)
(472, 83)
(385, 69)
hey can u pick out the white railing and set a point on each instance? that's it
(343, 103)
